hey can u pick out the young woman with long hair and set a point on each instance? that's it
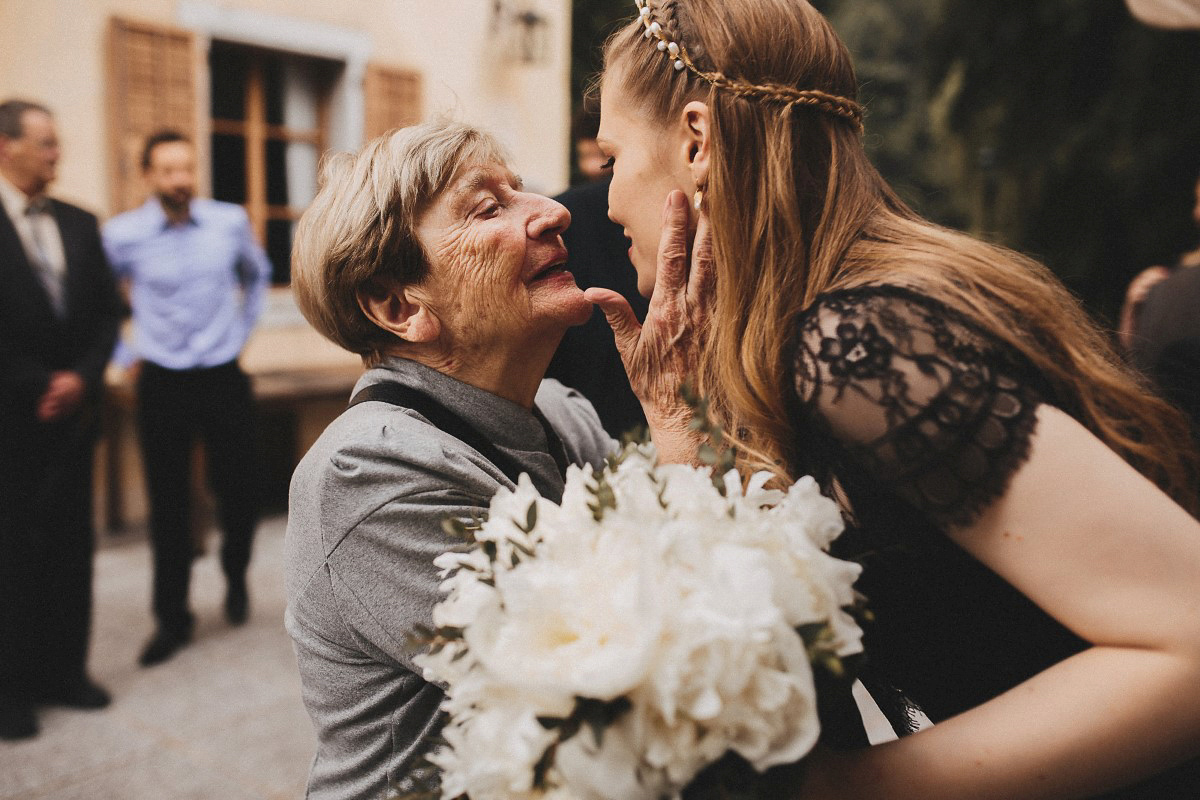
(1022, 504)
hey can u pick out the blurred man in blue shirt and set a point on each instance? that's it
(197, 280)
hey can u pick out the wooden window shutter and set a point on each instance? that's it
(152, 85)
(393, 99)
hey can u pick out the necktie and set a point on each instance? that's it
(42, 265)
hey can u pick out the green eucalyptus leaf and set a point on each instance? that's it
(543, 766)
(813, 632)
(455, 528)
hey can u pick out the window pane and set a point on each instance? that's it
(227, 72)
(229, 168)
(301, 90)
(279, 249)
(301, 160)
(273, 88)
(277, 175)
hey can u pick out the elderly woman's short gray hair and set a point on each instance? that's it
(361, 226)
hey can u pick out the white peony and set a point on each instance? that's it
(615, 769)
(492, 753)
(681, 602)
(581, 619)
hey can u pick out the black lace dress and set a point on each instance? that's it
(921, 418)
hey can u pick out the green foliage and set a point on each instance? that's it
(530, 519)
(592, 21)
(1063, 128)
(715, 452)
(821, 645)
(463, 531)
(603, 495)
(595, 715)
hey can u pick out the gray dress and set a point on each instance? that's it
(364, 525)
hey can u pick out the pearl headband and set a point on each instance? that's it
(789, 96)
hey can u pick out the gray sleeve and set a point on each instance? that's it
(380, 510)
(371, 508)
(383, 578)
(576, 421)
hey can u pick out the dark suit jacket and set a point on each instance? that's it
(587, 359)
(1170, 312)
(1167, 341)
(34, 342)
(46, 534)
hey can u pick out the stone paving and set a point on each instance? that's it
(222, 719)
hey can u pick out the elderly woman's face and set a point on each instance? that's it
(497, 261)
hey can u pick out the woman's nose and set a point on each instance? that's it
(550, 218)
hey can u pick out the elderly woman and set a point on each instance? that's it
(423, 255)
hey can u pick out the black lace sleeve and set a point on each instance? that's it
(915, 397)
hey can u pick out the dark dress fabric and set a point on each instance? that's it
(920, 419)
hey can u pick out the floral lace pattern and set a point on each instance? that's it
(915, 397)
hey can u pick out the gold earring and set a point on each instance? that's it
(698, 198)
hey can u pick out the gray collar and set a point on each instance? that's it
(507, 424)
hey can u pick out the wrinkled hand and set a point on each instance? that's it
(665, 352)
(63, 396)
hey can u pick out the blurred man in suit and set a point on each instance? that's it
(59, 312)
(1160, 326)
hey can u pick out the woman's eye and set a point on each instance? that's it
(607, 165)
(490, 210)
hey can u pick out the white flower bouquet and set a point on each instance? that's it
(618, 643)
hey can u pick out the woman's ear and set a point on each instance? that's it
(697, 125)
(399, 309)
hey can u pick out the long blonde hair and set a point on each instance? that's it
(813, 215)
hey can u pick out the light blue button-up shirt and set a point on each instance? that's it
(197, 287)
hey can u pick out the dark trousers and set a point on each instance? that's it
(46, 546)
(175, 409)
